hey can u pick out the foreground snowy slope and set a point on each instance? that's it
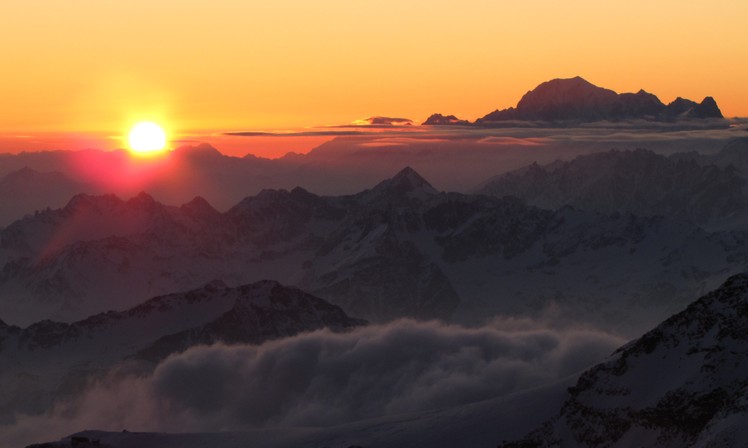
(685, 383)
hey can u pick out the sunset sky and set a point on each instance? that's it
(95, 67)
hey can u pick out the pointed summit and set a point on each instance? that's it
(406, 183)
(707, 109)
(408, 180)
(411, 177)
(199, 207)
(143, 200)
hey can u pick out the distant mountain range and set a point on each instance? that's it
(345, 165)
(639, 182)
(399, 249)
(577, 100)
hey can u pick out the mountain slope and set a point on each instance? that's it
(682, 384)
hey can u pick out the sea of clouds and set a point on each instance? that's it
(324, 378)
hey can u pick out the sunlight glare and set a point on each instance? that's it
(147, 137)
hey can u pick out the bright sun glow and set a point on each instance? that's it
(147, 137)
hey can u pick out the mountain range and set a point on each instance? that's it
(638, 182)
(577, 100)
(399, 249)
(453, 161)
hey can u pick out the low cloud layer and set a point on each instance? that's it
(323, 378)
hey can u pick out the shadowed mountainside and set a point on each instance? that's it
(681, 384)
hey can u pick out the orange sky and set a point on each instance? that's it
(193, 65)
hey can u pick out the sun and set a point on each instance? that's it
(147, 137)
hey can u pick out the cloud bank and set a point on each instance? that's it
(324, 378)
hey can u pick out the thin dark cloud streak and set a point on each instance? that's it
(330, 133)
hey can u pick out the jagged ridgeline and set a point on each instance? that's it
(577, 100)
(399, 249)
(707, 190)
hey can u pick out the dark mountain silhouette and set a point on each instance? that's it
(577, 100)
(399, 249)
(444, 120)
